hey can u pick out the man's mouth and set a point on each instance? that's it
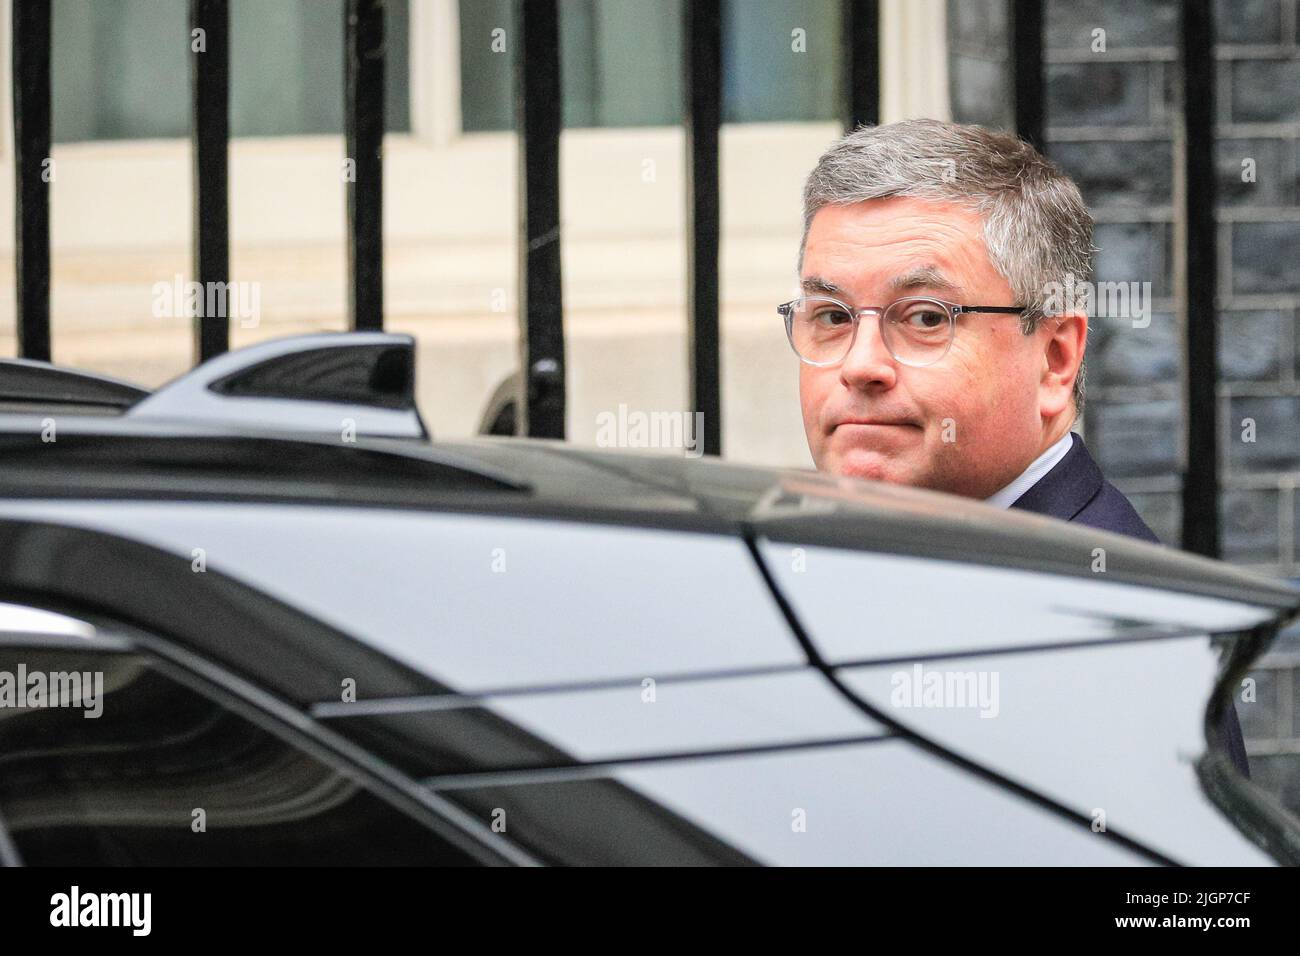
(875, 423)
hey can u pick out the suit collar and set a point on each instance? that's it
(1065, 490)
(1036, 471)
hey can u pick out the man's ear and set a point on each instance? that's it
(1064, 338)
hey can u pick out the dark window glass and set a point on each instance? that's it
(121, 70)
(621, 62)
(378, 376)
(125, 787)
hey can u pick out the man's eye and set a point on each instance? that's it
(925, 320)
(832, 318)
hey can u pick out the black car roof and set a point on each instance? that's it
(97, 457)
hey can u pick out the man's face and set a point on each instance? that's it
(968, 424)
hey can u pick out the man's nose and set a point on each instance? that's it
(869, 362)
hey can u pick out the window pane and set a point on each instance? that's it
(286, 71)
(486, 65)
(121, 70)
(771, 73)
(122, 788)
(979, 62)
(622, 62)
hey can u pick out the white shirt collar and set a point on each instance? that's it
(1031, 475)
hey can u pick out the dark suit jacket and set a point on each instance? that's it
(1074, 490)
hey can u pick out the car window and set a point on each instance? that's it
(107, 759)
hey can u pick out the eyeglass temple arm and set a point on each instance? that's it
(1002, 309)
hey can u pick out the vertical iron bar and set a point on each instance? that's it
(860, 63)
(210, 143)
(1027, 70)
(31, 79)
(539, 119)
(363, 108)
(703, 107)
(1201, 477)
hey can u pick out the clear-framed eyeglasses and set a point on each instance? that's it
(917, 330)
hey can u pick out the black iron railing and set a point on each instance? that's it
(1027, 70)
(702, 38)
(539, 119)
(210, 108)
(860, 60)
(1199, 281)
(363, 85)
(31, 79)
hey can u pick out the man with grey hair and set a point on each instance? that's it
(947, 240)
